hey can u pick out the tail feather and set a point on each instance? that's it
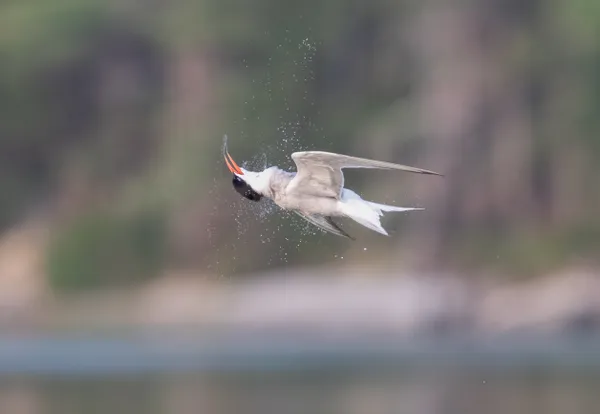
(386, 208)
(367, 213)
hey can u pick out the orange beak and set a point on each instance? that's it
(233, 167)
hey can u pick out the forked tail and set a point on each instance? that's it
(365, 212)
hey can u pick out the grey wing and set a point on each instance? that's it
(345, 161)
(316, 176)
(325, 223)
(320, 173)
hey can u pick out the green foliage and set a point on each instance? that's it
(281, 76)
(527, 253)
(53, 56)
(38, 35)
(38, 39)
(105, 249)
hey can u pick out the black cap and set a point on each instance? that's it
(244, 189)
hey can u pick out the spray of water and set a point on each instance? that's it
(245, 212)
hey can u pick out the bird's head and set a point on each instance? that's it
(249, 184)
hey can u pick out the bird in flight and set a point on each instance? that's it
(316, 190)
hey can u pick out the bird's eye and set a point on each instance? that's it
(244, 189)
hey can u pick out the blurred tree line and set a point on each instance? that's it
(112, 113)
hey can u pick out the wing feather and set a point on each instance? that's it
(325, 223)
(320, 173)
(345, 161)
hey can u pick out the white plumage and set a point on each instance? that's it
(316, 191)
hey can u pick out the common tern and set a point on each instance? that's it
(316, 190)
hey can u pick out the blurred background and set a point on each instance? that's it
(134, 279)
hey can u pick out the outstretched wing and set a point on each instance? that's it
(320, 173)
(325, 223)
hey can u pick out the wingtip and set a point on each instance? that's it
(344, 234)
(427, 172)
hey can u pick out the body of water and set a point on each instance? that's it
(283, 374)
